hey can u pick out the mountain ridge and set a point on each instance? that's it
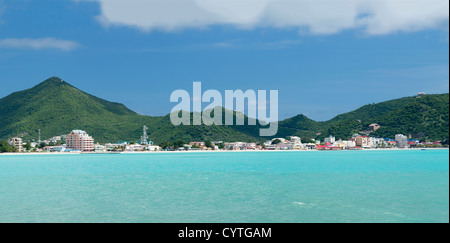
(56, 107)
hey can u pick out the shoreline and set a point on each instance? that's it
(210, 151)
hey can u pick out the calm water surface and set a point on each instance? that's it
(334, 186)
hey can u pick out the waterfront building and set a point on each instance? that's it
(345, 144)
(393, 143)
(153, 148)
(362, 141)
(135, 147)
(284, 146)
(402, 140)
(296, 143)
(248, 146)
(80, 140)
(55, 140)
(272, 147)
(378, 142)
(240, 146)
(412, 144)
(296, 140)
(330, 139)
(328, 147)
(198, 144)
(115, 146)
(17, 142)
(310, 146)
(98, 148)
(58, 149)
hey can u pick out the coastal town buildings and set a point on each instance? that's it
(240, 146)
(79, 140)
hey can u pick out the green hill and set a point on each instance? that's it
(422, 117)
(56, 107)
(426, 117)
(300, 126)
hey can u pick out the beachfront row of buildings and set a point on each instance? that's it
(80, 141)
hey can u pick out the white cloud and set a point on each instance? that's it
(237, 43)
(373, 17)
(38, 44)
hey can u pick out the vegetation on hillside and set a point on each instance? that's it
(422, 117)
(56, 107)
(6, 148)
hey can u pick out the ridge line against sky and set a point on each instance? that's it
(325, 57)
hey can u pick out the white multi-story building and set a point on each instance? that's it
(402, 140)
(379, 142)
(80, 140)
(17, 142)
(55, 139)
(296, 140)
(240, 146)
(344, 144)
(248, 146)
(310, 146)
(98, 148)
(153, 148)
(330, 139)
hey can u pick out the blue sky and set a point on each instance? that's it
(321, 66)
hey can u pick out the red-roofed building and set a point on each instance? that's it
(412, 144)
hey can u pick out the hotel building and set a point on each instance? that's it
(402, 140)
(17, 142)
(80, 140)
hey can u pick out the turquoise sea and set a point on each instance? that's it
(267, 187)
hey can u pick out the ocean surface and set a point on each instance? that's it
(242, 187)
